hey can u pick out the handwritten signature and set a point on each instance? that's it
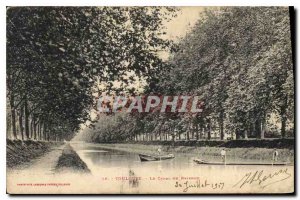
(198, 184)
(263, 179)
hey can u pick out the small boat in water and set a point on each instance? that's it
(203, 162)
(144, 157)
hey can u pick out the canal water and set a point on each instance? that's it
(121, 172)
(127, 173)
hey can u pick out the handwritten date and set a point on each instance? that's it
(198, 184)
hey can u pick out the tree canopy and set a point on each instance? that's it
(56, 57)
(239, 61)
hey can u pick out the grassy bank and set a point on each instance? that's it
(20, 153)
(69, 161)
(251, 153)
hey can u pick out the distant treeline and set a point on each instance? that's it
(264, 143)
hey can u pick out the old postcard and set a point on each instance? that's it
(150, 100)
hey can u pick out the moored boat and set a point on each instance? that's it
(203, 162)
(144, 157)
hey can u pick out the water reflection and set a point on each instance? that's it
(130, 174)
(108, 158)
(133, 180)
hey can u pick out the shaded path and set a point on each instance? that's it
(42, 165)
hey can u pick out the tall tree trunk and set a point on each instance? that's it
(251, 129)
(263, 127)
(197, 131)
(221, 125)
(283, 126)
(13, 117)
(41, 130)
(192, 130)
(236, 134)
(208, 129)
(48, 132)
(283, 118)
(258, 128)
(45, 131)
(38, 131)
(246, 134)
(31, 128)
(26, 118)
(201, 131)
(34, 128)
(173, 136)
(159, 131)
(21, 122)
(188, 132)
(187, 135)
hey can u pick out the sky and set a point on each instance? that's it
(179, 26)
(186, 18)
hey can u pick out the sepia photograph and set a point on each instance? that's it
(150, 100)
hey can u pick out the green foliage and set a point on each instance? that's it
(57, 55)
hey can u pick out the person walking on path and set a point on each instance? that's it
(275, 156)
(159, 151)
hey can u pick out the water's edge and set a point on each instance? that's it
(259, 154)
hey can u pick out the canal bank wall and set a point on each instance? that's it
(249, 153)
(69, 161)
